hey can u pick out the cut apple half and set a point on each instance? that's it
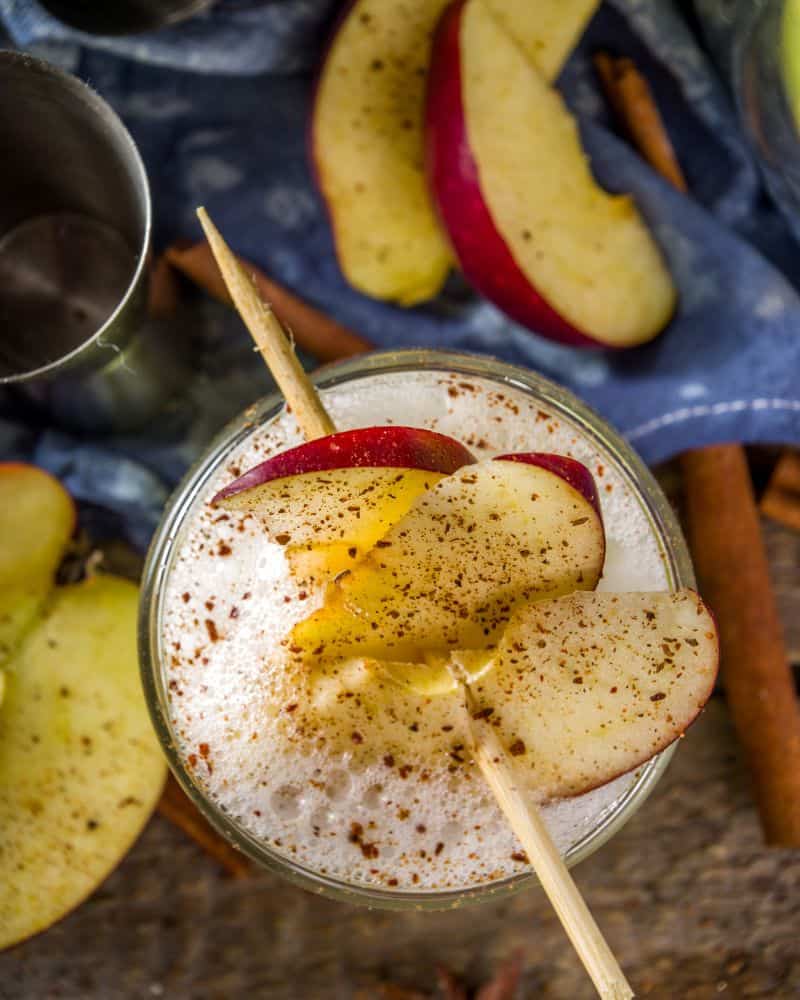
(80, 768)
(449, 574)
(367, 145)
(37, 519)
(532, 230)
(329, 501)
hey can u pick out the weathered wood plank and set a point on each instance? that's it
(688, 897)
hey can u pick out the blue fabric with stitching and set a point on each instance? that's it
(219, 106)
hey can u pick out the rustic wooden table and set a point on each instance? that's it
(692, 903)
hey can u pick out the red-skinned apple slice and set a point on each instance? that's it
(37, 518)
(589, 686)
(450, 572)
(531, 229)
(367, 146)
(328, 501)
(579, 689)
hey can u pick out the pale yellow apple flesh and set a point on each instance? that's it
(591, 685)
(368, 152)
(367, 135)
(587, 253)
(545, 30)
(327, 520)
(37, 518)
(80, 767)
(449, 573)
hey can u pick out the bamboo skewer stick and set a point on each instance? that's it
(526, 822)
(271, 341)
(522, 815)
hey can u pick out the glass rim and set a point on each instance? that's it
(663, 522)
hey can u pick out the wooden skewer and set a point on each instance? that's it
(527, 823)
(270, 339)
(522, 815)
(314, 332)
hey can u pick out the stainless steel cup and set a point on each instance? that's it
(74, 242)
(122, 17)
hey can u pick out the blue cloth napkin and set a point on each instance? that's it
(726, 368)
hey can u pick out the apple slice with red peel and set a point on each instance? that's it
(367, 145)
(589, 686)
(546, 30)
(329, 500)
(449, 573)
(37, 518)
(569, 469)
(532, 230)
(580, 689)
(80, 767)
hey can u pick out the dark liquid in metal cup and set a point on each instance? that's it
(61, 277)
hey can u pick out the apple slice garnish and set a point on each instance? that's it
(329, 501)
(449, 573)
(532, 230)
(579, 689)
(587, 687)
(582, 688)
(80, 768)
(367, 145)
(37, 518)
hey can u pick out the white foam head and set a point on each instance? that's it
(230, 600)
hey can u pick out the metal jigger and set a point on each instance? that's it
(74, 243)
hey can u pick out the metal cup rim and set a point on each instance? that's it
(104, 111)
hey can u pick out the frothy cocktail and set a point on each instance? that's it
(343, 810)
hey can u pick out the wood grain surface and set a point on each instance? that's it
(692, 903)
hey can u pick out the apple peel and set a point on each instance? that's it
(532, 230)
(330, 500)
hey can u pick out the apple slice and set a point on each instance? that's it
(531, 229)
(37, 518)
(589, 686)
(329, 500)
(367, 145)
(546, 30)
(80, 767)
(449, 573)
(580, 689)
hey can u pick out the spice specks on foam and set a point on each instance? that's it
(363, 814)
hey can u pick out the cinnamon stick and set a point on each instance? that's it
(181, 811)
(781, 499)
(732, 567)
(163, 291)
(630, 96)
(313, 331)
(727, 547)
